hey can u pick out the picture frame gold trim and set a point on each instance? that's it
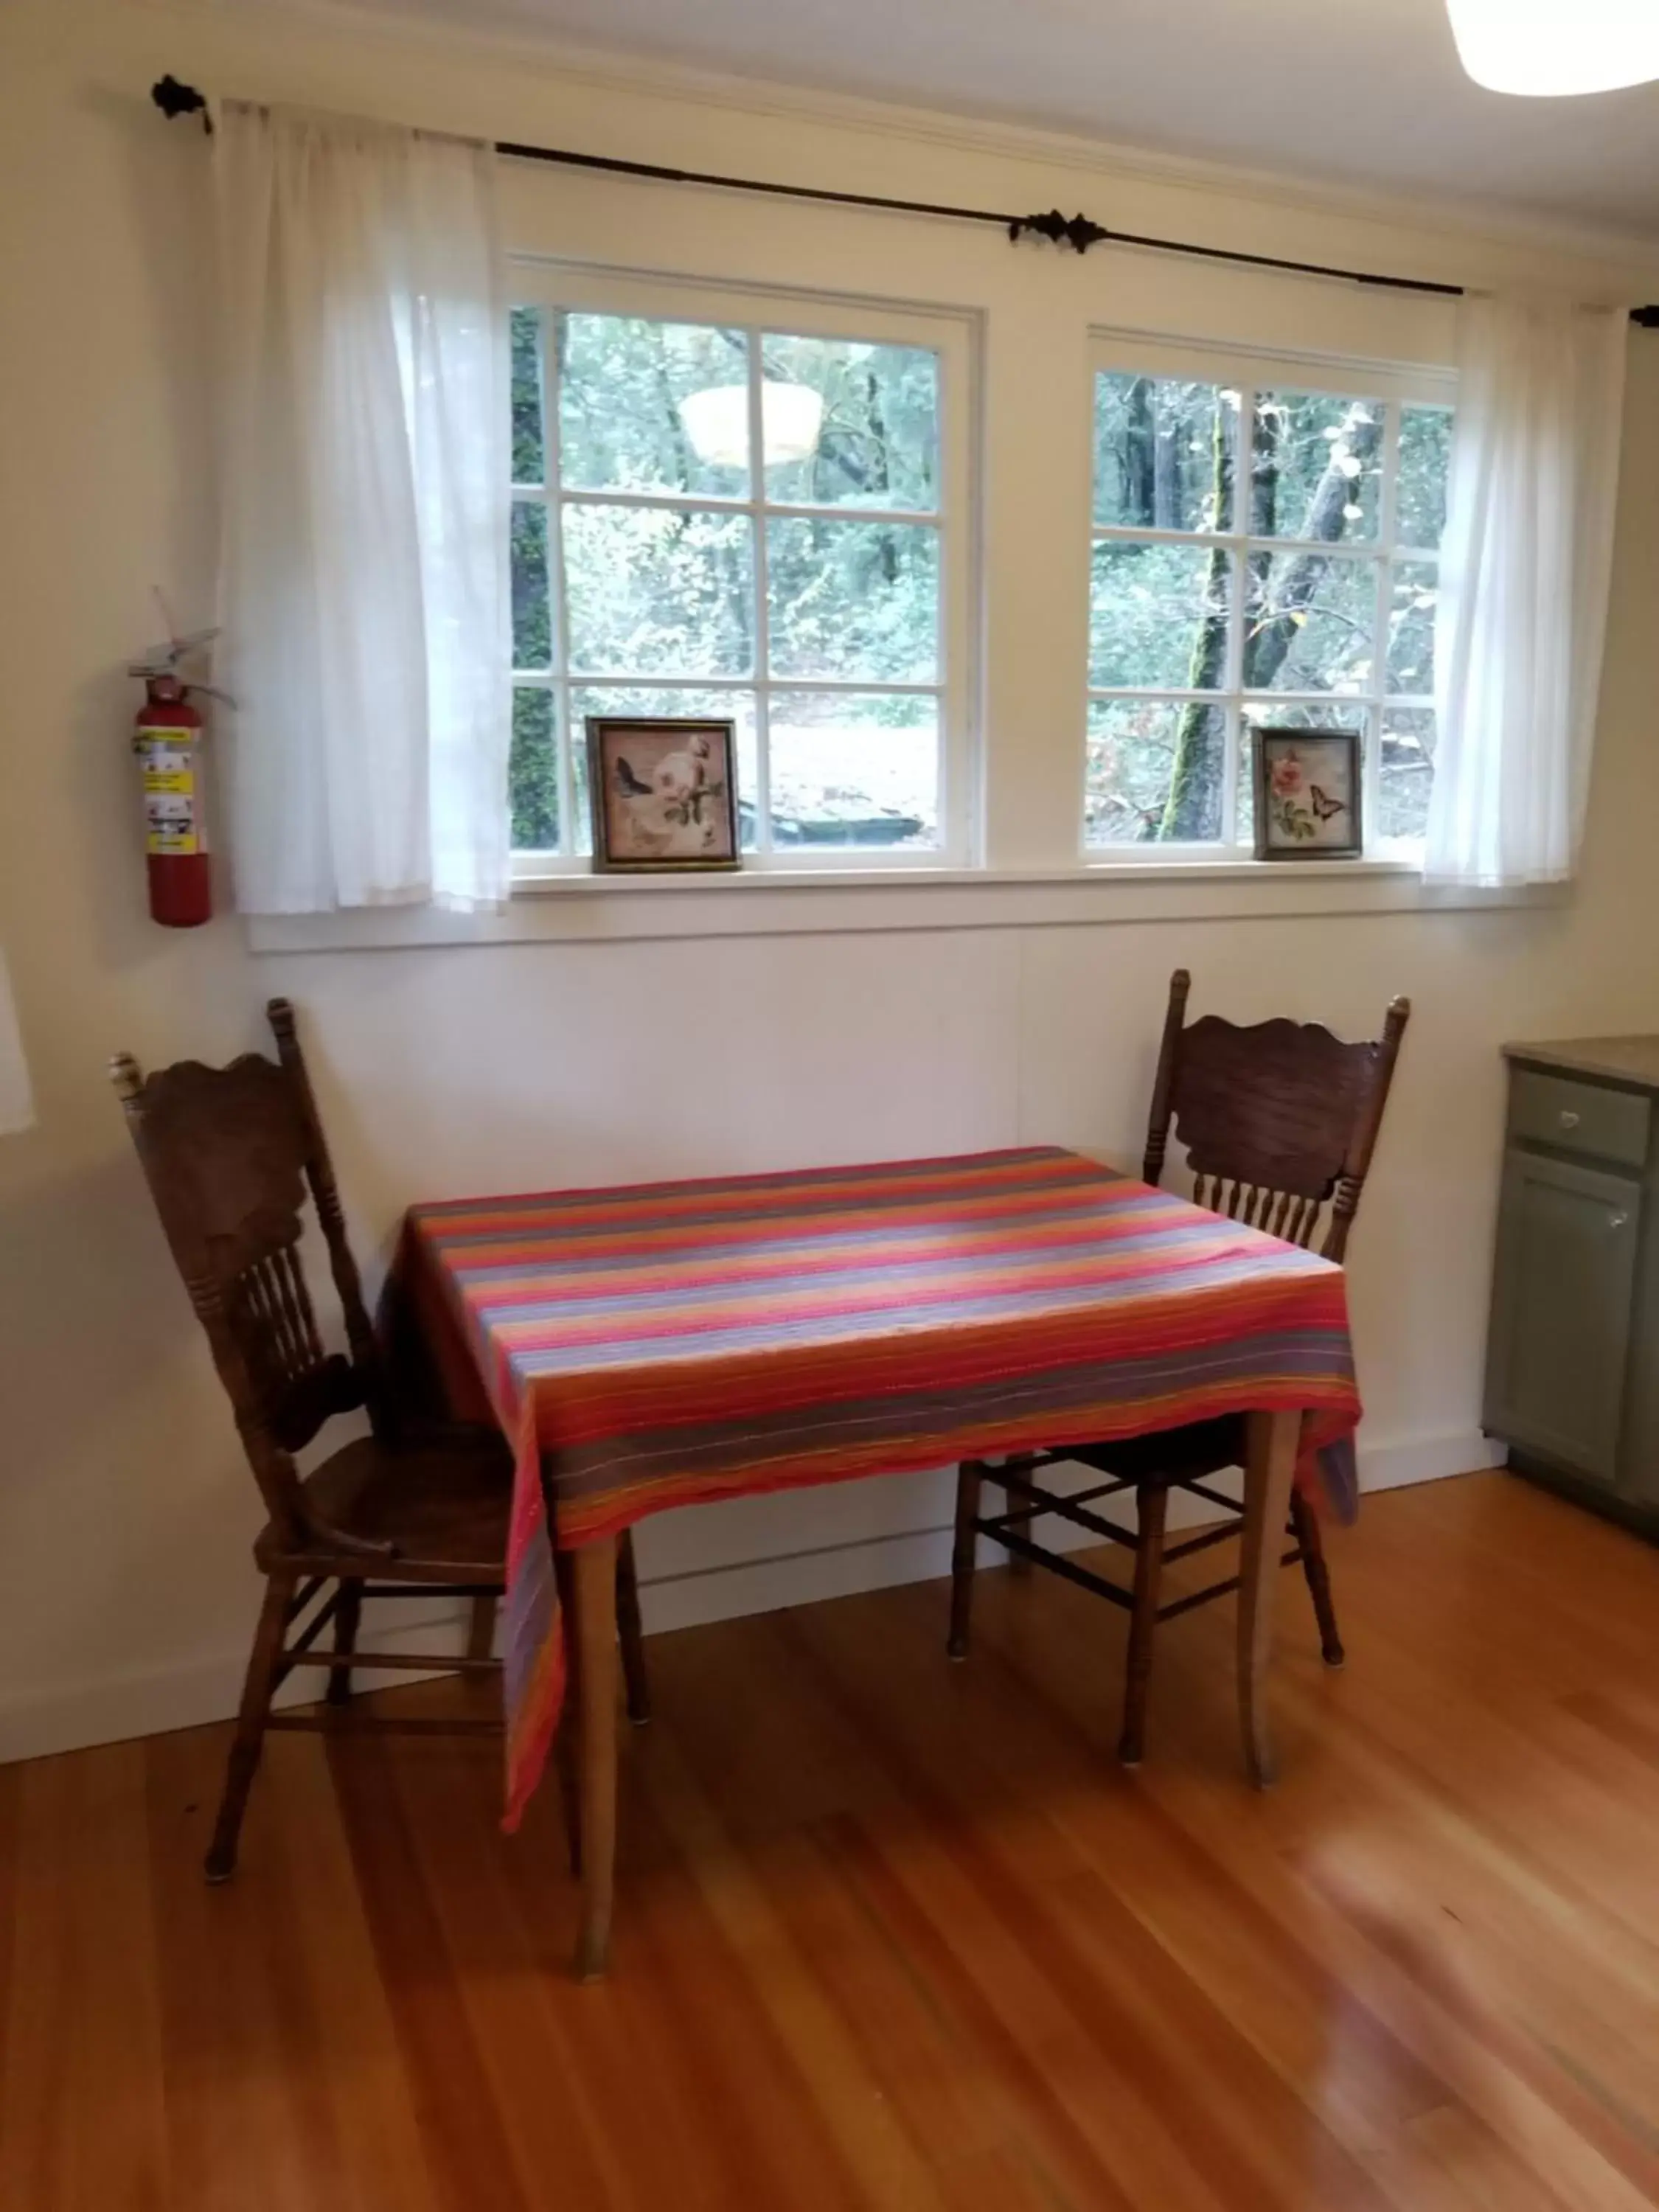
(720, 791)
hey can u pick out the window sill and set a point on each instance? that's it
(776, 902)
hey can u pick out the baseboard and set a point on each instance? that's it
(1427, 1459)
(70, 1717)
(161, 1699)
(766, 1585)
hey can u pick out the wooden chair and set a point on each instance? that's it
(400, 1513)
(1278, 1121)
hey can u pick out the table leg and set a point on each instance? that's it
(1269, 1470)
(593, 1579)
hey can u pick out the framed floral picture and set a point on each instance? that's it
(1308, 795)
(663, 791)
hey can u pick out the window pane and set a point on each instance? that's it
(851, 771)
(1425, 438)
(1404, 772)
(1277, 714)
(532, 611)
(1309, 623)
(855, 600)
(529, 453)
(1157, 617)
(533, 772)
(659, 591)
(1410, 627)
(1164, 452)
(622, 381)
(737, 707)
(1155, 771)
(1315, 465)
(877, 441)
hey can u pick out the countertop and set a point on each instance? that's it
(1631, 1060)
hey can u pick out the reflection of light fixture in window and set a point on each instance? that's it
(1545, 46)
(717, 422)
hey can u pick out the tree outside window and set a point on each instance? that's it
(1262, 552)
(659, 568)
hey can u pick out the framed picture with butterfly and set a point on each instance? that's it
(664, 793)
(1308, 794)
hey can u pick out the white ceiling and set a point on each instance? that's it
(1365, 92)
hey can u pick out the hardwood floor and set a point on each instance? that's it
(899, 1935)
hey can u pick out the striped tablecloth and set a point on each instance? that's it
(656, 1345)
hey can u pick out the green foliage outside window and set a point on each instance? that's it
(1308, 604)
(674, 591)
(1333, 624)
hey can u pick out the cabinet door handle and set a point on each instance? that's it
(1568, 1119)
(1617, 1220)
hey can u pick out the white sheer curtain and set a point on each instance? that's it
(364, 590)
(1526, 563)
(17, 1102)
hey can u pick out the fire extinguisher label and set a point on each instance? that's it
(169, 777)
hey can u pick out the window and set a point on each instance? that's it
(1264, 551)
(818, 600)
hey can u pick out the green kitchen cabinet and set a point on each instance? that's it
(1572, 1362)
(1561, 1311)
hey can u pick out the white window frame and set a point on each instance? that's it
(1399, 384)
(756, 309)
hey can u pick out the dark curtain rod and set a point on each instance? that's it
(1076, 231)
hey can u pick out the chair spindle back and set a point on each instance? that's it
(230, 1155)
(1278, 1120)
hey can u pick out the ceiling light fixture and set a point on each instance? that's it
(717, 423)
(1542, 48)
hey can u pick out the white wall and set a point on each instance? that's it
(126, 1589)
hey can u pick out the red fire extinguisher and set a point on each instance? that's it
(167, 739)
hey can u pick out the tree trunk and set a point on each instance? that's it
(1140, 456)
(1263, 518)
(1268, 644)
(1192, 812)
(1197, 777)
(889, 560)
(1166, 477)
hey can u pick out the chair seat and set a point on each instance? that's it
(1191, 1453)
(441, 1502)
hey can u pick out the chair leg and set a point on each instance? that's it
(1013, 1503)
(481, 1633)
(635, 1683)
(1151, 1504)
(262, 1677)
(348, 1613)
(1304, 1526)
(969, 1476)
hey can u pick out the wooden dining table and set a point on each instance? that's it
(653, 1346)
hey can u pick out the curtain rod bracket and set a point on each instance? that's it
(175, 100)
(1077, 231)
